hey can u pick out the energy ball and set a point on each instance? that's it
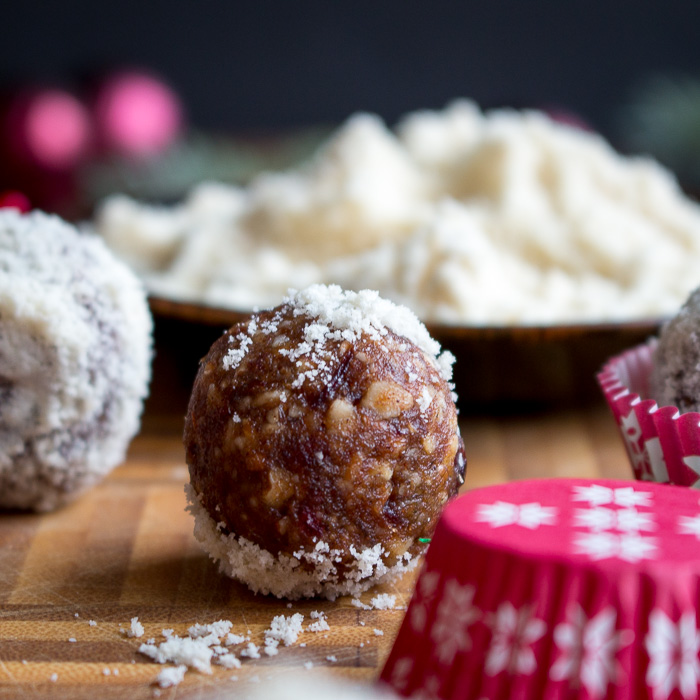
(322, 443)
(675, 377)
(75, 353)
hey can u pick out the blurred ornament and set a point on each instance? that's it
(13, 199)
(137, 115)
(197, 157)
(565, 116)
(47, 128)
(662, 119)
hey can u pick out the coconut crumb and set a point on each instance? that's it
(228, 660)
(136, 629)
(383, 601)
(194, 653)
(174, 675)
(92, 623)
(309, 665)
(271, 647)
(378, 633)
(332, 658)
(282, 576)
(232, 639)
(285, 629)
(72, 639)
(252, 651)
(321, 624)
(53, 677)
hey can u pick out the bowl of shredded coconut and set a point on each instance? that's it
(483, 223)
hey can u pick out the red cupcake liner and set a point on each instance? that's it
(663, 444)
(556, 589)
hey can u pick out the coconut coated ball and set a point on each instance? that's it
(322, 443)
(675, 377)
(75, 353)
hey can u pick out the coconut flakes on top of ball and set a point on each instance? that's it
(322, 442)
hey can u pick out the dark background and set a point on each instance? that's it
(266, 65)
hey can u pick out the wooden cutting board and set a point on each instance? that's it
(71, 581)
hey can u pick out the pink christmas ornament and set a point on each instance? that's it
(557, 588)
(13, 199)
(48, 128)
(137, 114)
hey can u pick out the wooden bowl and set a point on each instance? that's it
(498, 368)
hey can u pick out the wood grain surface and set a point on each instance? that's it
(126, 549)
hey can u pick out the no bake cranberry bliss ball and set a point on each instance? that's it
(75, 354)
(322, 443)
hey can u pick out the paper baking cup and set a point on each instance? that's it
(556, 588)
(663, 444)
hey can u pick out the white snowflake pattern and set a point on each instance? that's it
(596, 519)
(673, 655)
(599, 495)
(425, 591)
(497, 514)
(514, 632)
(595, 494)
(455, 614)
(532, 515)
(588, 648)
(630, 547)
(401, 672)
(629, 497)
(430, 689)
(688, 525)
(528, 515)
(657, 460)
(632, 520)
(646, 456)
(625, 519)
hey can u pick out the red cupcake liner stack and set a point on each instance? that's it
(553, 589)
(663, 444)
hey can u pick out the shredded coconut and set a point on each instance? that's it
(252, 651)
(228, 660)
(174, 675)
(235, 638)
(217, 629)
(285, 629)
(136, 629)
(75, 352)
(383, 601)
(194, 653)
(92, 623)
(466, 217)
(321, 624)
(281, 575)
